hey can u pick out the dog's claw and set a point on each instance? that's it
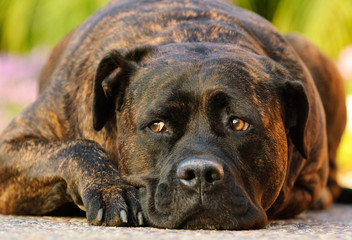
(140, 218)
(123, 216)
(100, 215)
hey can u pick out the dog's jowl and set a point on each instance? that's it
(177, 114)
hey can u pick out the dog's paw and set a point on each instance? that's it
(114, 205)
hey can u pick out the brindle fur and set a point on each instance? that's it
(191, 64)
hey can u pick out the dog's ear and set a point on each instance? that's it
(112, 77)
(296, 112)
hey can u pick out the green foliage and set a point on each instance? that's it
(26, 23)
(348, 87)
(326, 23)
(344, 153)
(13, 109)
(265, 8)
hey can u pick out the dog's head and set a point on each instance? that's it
(203, 130)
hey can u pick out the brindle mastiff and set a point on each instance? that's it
(177, 114)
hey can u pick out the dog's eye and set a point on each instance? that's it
(238, 124)
(158, 127)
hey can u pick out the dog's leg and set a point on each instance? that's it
(330, 86)
(39, 172)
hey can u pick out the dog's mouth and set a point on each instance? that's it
(201, 220)
(168, 203)
(212, 220)
(219, 211)
(229, 218)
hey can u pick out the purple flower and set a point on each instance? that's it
(345, 63)
(18, 81)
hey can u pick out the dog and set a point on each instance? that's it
(177, 114)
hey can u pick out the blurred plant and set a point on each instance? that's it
(26, 23)
(265, 8)
(326, 23)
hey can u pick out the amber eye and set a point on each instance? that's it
(158, 127)
(238, 124)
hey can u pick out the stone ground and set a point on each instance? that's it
(335, 223)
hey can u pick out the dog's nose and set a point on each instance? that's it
(200, 172)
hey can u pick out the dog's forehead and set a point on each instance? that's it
(200, 52)
(198, 70)
(201, 66)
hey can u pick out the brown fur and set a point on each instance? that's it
(194, 65)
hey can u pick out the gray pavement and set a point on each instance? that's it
(335, 223)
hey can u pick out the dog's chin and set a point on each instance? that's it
(207, 222)
(208, 219)
(199, 221)
(220, 211)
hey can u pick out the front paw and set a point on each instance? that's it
(113, 205)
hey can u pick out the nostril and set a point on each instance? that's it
(189, 175)
(214, 173)
(212, 176)
(186, 174)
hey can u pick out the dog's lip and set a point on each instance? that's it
(199, 220)
(208, 218)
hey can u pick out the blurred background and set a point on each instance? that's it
(30, 28)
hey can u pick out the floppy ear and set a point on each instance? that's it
(110, 82)
(296, 112)
(112, 77)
